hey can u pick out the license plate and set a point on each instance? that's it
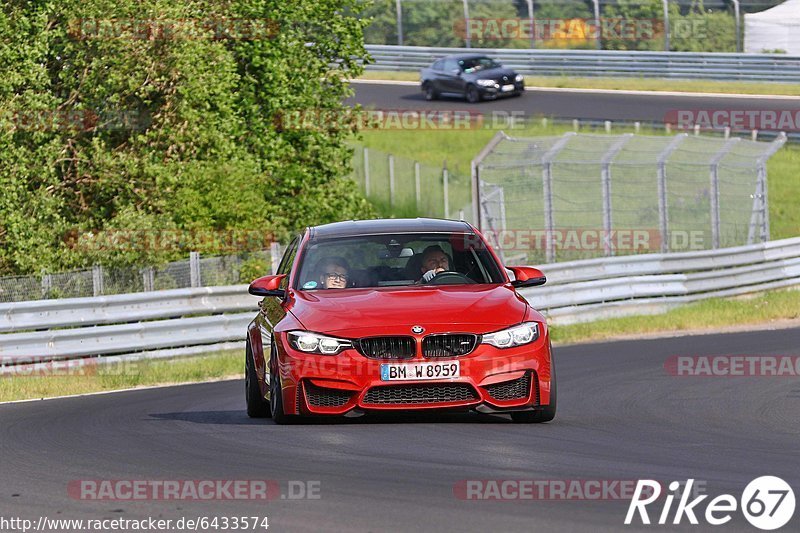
(507, 88)
(413, 371)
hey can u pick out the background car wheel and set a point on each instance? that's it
(430, 92)
(546, 414)
(276, 401)
(257, 406)
(472, 94)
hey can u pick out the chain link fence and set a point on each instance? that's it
(402, 187)
(196, 271)
(577, 196)
(677, 25)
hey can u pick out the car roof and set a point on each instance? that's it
(353, 228)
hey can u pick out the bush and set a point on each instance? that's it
(141, 114)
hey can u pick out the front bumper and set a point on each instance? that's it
(497, 92)
(491, 380)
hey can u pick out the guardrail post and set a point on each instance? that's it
(445, 190)
(194, 269)
(547, 189)
(417, 187)
(605, 176)
(391, 180)
(663, 207)
(148, 279)
(715, 217)
(97, 280)
(366, 172)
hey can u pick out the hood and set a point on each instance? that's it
(389, 310)
(493, 74)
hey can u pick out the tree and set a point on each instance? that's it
(165, 115)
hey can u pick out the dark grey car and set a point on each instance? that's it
(471, 76)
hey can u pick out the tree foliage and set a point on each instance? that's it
(165, 115)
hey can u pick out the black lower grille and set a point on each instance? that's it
(423, 393)
(510, 390)
(449, 345)
(387, 347)
(325, 397)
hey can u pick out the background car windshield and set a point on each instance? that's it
(396, 260)
(475, 64)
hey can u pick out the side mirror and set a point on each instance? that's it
(456, 72)
(527, 277)
(267, 286)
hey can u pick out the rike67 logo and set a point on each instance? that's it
(767, 503)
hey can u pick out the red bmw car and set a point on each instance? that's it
(386, 315)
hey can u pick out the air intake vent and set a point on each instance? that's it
(423, 393)
(387, 347)
(449, 345)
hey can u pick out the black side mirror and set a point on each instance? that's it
(531, 282)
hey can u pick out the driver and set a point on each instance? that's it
(434, 260)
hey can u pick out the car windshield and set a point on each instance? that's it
(474, 64)
(396, 260)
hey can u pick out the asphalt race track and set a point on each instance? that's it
(586, 105)
(622, 416)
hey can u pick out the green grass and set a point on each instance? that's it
(709, 314)
(630, 84)
(97, 378)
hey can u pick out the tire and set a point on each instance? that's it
(548, 412)
(257, 406)
(430, 92)
(472, 95)
(276, 401)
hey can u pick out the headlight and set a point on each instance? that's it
(519, 78)
(486, 83)
(513, 336)
(308, 342)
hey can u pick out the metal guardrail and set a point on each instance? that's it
(160, 323)
(593, 289)
(678, 65)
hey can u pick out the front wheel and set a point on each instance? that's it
(257, 406)
(472, 94)
(276, 400)
(430, 92)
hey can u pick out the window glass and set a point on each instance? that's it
(396, 260)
